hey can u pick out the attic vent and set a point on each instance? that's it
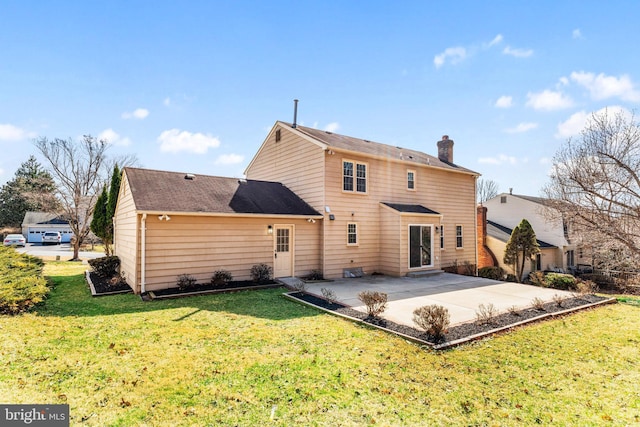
(278, 135)
(327, 132)
(503, 199)
(190, 176)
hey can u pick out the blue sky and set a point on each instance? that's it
(195, 86)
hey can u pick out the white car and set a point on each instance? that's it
(15, 240)
(53, 237)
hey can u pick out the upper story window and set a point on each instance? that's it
(354, 176)
(411, 180)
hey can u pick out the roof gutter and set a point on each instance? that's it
(225, 214)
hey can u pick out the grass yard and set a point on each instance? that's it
(254, 358)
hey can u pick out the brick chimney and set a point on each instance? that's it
(486, 258)
(445, 149)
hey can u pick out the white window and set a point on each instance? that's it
(352, 234)
(458, 236)
(411, 180)
(354, 176)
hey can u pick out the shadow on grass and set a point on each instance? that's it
(71, 296)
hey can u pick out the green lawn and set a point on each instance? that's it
(254, 358)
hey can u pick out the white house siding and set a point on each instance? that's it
(126, 229)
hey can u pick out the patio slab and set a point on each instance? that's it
(461, 295)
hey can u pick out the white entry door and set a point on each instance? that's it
(283, 251)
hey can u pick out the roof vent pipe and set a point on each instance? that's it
(295, 113)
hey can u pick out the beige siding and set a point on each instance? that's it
(293, 161)
(390, 241)
(450, 194)
(126, 235)
(201, 245)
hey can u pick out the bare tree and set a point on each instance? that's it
(595, 183)
(77, 168)
(486, 189)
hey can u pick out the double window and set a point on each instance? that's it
(354, 176)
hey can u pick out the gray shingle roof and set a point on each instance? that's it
(364, 146)
(400, 207)
(154, 190)
(503, 233)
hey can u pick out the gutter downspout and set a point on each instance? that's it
(143, 254)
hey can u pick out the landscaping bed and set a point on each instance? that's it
(238, 285)
(101, 285)
(460, 333)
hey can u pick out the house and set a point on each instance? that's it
(35, 224)
(354, 206)
(561, 250)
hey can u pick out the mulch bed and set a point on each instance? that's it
(101, 285)
(237, 285)
(460, 333)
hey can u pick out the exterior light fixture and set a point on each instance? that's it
(270, 229)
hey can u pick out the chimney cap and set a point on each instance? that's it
(445, 137)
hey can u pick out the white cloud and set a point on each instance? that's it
(504, 102)
(576, 34)
(522, 127)
(229, 159)
(332, 127)
(548, 100)
(138, 113)
(574, 124)
(112, 137)
(602, 86)
(10, 132)
(518, 53)
(455, 55)
(544, 161)
(496, 40)
(167, 102)
(499, 160)
(175, 140)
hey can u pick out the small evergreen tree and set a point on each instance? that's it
(99, 222)
(522, 246)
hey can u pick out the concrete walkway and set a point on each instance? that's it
(461, 295)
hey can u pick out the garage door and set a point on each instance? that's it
(35, 234)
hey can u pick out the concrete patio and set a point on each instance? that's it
(461, 295)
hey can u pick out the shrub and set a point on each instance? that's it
(537, 278)
(107, 266)
(601, 280)
(299, 286)
(538, 304)
(511, 278)
(221, 277)
(376, 302)
(314, 275)
(585, 287)
(21, 294)
(560, 281)
(495, 273)
(514, 310)
(261, 273)
(468, 268)
(452, 268)
(486, 314)
(186, 282)
(558, 299)
(434, 319)
(329, 295)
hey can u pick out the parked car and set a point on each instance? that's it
(15, 240)
(53, 237)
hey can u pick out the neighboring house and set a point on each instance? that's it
(35, 224)
(562, 251)
(355, 207)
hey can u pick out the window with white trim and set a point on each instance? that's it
(441, 236)
(354, 176)
(411, 180)
(352, 234)
(458, 237)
